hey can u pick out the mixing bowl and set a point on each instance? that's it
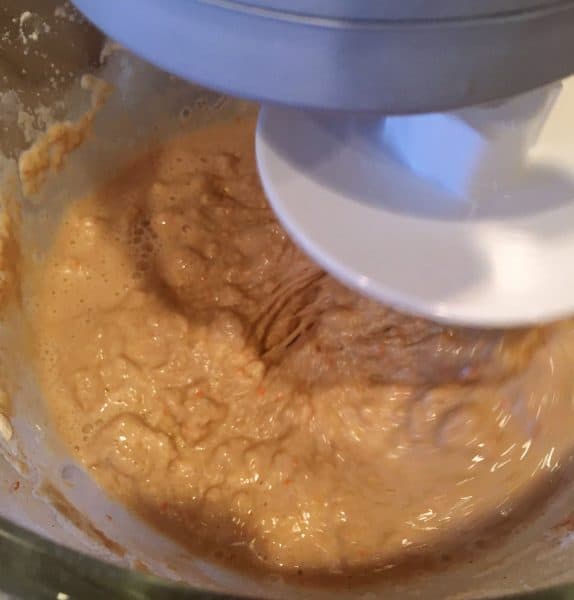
(60, 536)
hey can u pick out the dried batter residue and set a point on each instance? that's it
(50, 150)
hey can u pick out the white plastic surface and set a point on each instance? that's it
(467, 151)
(502, 256)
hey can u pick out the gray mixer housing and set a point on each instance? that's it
(388, 56)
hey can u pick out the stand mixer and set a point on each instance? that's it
(421, 152)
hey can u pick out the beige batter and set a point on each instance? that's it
(220, 384)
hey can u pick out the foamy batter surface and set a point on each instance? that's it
(220, 384)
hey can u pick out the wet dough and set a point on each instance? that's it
(220, 384)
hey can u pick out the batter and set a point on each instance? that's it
(221, 385)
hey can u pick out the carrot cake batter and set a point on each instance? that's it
(215, 380)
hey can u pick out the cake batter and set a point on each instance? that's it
(216, 381)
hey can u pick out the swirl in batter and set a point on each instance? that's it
(225, 388)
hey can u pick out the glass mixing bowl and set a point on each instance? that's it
(60, 537)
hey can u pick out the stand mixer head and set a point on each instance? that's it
(461, 215)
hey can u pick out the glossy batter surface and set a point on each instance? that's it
(220, 384)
